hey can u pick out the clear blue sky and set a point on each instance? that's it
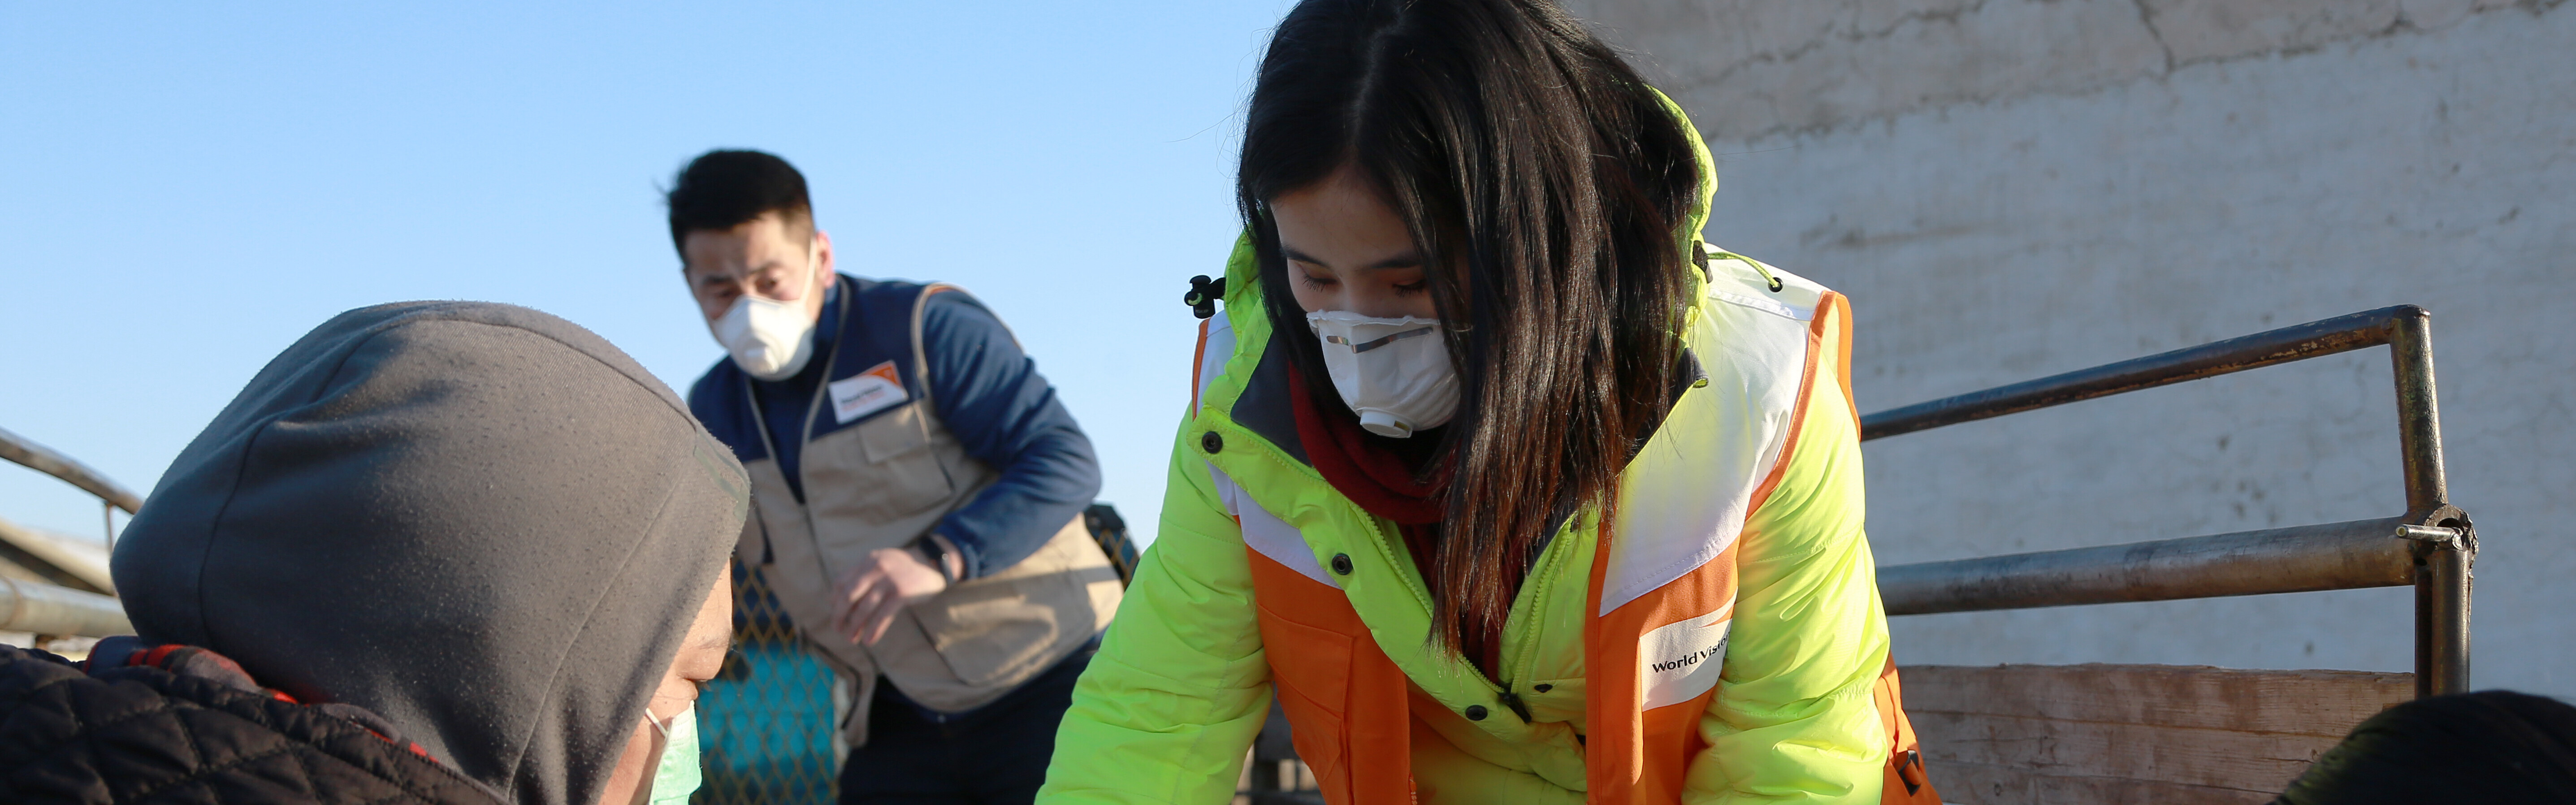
(185, 190)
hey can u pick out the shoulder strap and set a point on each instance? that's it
(920, 352)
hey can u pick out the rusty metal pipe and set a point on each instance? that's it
(2442, 575)
(41, 608)
(2334, 556)
(42, 459)
(2442, 623)
(2314, 339)
(2419, 414)
(2325, 557)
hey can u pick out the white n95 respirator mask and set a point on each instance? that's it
(770, 340)
(1395, 373)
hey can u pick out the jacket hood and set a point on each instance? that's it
(480, 522)
(1698, 218)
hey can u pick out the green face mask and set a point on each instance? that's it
(676, 777)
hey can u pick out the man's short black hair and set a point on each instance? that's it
(723, 189)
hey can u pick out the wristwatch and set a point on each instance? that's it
(935, 550)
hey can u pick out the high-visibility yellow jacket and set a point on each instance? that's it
(1724, 642)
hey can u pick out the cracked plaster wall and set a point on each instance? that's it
(1771, 67)
(2009, 189)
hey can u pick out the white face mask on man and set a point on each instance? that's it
(1395, 373)
(769, 339)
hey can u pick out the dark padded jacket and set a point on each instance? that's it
(185, 733)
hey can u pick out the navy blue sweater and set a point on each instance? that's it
(984, 389)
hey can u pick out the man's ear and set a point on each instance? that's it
(825, 269)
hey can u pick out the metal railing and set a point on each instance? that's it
(2432, 546)
(48, 609)
(45, 609)
(37, 457)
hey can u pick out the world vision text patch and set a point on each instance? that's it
(876, 389)
(1680, 661)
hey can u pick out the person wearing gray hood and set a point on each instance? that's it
(442, 552)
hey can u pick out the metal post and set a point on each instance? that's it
(2442, 623)
(2442, 568)
(2419, 418)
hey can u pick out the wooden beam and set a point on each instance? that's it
(1967, 783)
(2132, 733)
(2198, 696)
(2211, 758)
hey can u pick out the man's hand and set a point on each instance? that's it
(880, 586)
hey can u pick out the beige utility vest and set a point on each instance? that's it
(886, 483)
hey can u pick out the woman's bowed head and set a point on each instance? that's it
(1493, 170)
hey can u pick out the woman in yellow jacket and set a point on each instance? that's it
(1511, 488)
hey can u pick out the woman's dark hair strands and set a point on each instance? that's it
(1545, 183)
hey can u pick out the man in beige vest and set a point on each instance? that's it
(917, 491)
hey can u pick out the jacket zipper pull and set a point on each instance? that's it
(1513, 701)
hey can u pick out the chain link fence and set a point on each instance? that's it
(766, 724)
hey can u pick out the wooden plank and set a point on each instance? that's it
(2049, 747)
(2326, 703)
(2101, 734)
(1980, 784)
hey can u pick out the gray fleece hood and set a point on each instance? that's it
(482, 522)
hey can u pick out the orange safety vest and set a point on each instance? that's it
(1351, 714)
(1351, 708)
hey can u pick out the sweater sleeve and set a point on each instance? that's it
(1793, 719)
(1180, 686)
(1004, 413)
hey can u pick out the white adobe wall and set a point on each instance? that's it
(2009, 189)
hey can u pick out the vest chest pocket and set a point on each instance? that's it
(1004, 628)
(896, 471)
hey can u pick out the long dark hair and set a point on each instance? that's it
(1546, 186)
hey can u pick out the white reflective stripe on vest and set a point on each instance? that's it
(1686, 495)
(1266, 533)
(1216, 346)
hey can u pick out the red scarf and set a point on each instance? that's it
(1370, 474)
(1366, 468)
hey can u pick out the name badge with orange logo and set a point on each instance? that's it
(877, 389)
